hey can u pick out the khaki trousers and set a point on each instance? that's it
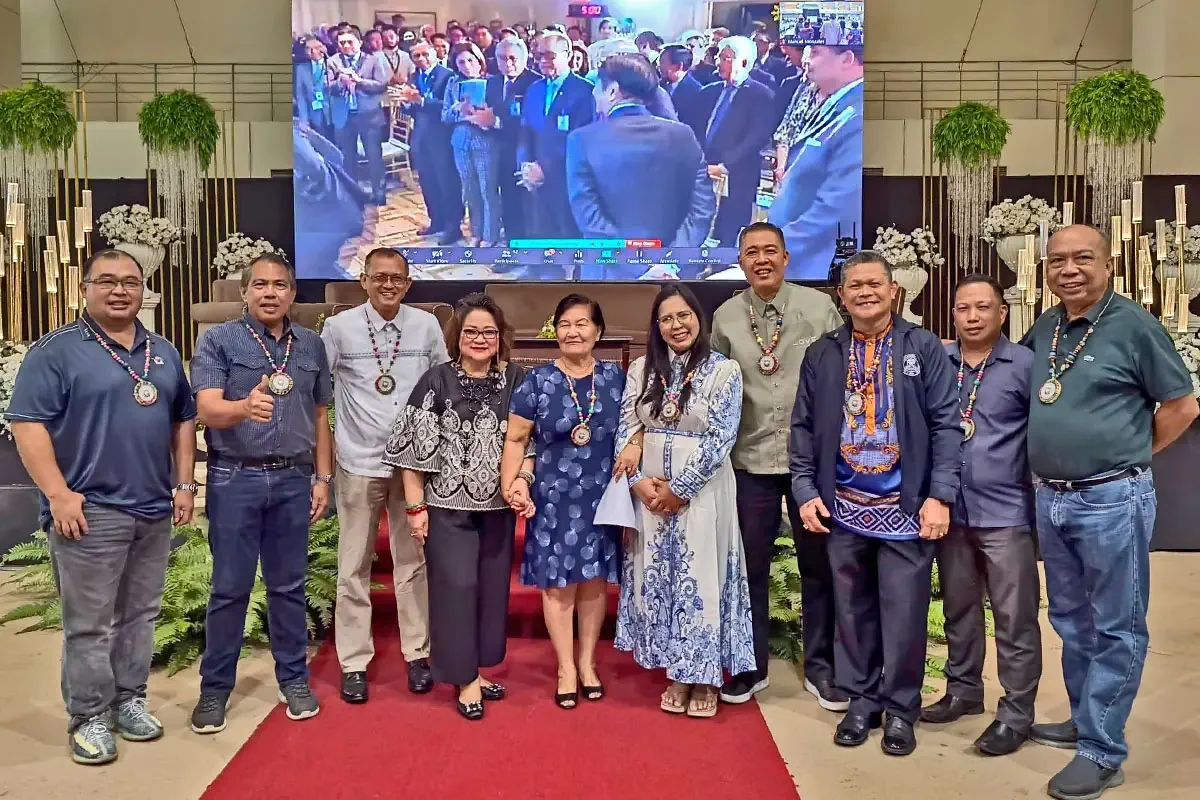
(360, 500)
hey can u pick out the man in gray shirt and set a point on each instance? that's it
(377, 352)
(990, 543)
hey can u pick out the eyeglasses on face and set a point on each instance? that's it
(384, 279)
(108, 284)
(487, 334)
(683, 318)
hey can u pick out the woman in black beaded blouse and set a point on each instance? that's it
(448, 441)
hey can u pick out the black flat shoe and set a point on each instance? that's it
(566, 700)
(1000, 740)
(493, 691)
(472, 711)
(899, 739)
(949, 709)
(854, 729)
(420, 679)
(1062, 735)
(354, 687)
(592, 692)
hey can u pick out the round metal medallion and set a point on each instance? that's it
(968, 429)
(145, 393)
(580, 435)
(1050, 391)
(670, 411)
(385, 384)
(768, 364)
(280, 383)
(856, 404)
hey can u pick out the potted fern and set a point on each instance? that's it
(968, 140)
(1116, 112)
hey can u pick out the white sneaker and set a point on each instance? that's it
(828, 696)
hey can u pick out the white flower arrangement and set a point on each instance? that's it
(11, 356)
(900, 249)
(1188, 347)
(238, 250)
(1019, 217)
(1191, 245)
(136, 225)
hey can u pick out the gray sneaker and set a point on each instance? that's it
(92, 742)
(135, 723)
(209, 714)
(301, 702)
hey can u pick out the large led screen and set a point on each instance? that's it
(511, 148)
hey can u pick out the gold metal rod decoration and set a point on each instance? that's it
(1180, 235)
(73, 281)
(64, 239)
(1068, 213)
(1136, 203)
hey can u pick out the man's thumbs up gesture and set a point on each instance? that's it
(260, 403)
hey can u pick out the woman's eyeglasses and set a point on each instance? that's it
(487, 334)
(683, 318)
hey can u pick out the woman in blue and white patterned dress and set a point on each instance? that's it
(685, 602)
(571, 409)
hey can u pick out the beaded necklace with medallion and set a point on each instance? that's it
(385, 383)
(581, 434)
(671, 407)
(144, 392)
(856, 402)
(1051, 390)
(280, 383)
(768, 363)
(968, 424)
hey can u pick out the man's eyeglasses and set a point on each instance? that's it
(683, 318)
(108, 284)
(384, 280)
(487, 334)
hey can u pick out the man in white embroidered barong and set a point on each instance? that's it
(685, 601)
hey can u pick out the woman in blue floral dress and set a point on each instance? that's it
(571, 409)
(685, 601)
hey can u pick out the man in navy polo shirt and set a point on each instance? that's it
(262, 387)
(100, 410)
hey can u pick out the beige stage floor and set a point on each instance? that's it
(1164, 729)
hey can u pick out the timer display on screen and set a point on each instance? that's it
(587, 10)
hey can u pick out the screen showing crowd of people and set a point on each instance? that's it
(589, 149)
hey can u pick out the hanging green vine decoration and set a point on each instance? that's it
(36, 118)
(1118, 107)
(970, 133)
(180, 120)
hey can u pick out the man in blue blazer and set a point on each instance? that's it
(357, 89)
(559, 103)
(737, 115)
(433, 158)
(675, 205)
(310, 87)
(506, 93)
(674, 65)
(821, 191)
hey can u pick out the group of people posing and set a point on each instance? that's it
(886, 446)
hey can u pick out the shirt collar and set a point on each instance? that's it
(1001, 351)
(261, 329)
(1093, 313)
(87, 326)
(834, 98)
(778, 303)
(377, 320)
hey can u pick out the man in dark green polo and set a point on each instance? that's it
(1102, 366)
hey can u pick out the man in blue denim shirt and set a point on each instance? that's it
(991, 542)
(1101, 364)
(262, 387)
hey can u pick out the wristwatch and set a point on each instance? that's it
(325, 479)
(187, 487)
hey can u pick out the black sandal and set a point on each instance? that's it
(472, 711)
(562, 699)
(593, 692)
(493, 691)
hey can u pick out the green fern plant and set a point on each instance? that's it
(1118, 107)
(35, 117)
(784, 592)
(970, 133)
(180, 120)
(179, 628)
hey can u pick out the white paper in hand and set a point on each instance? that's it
(616, 506)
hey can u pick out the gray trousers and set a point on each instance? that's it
(111, 585)
(1004, 561)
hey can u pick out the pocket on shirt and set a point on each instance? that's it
(306, 376)
(248, 370)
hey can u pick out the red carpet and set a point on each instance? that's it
(405, 746)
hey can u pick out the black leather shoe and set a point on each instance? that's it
(899, 739)
(1000, 740)
(493, 691)
(1062, 735)
(854, 729)
(829, 697)
(1083, 779)
(420, 680)
(950, 708)
(472, 711)
(354, 687)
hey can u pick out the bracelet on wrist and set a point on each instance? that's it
(412, 509)
(527, 476)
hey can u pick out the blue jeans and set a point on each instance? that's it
(255, 513)
(1096, 547)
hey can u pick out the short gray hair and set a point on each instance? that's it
(865, 257)
(268, 258)
(742, 47)
(514, 43)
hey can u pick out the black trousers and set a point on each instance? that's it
(369, 127)
(881, 588)
(1004, 561)
(760, 512)
(468, 560)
